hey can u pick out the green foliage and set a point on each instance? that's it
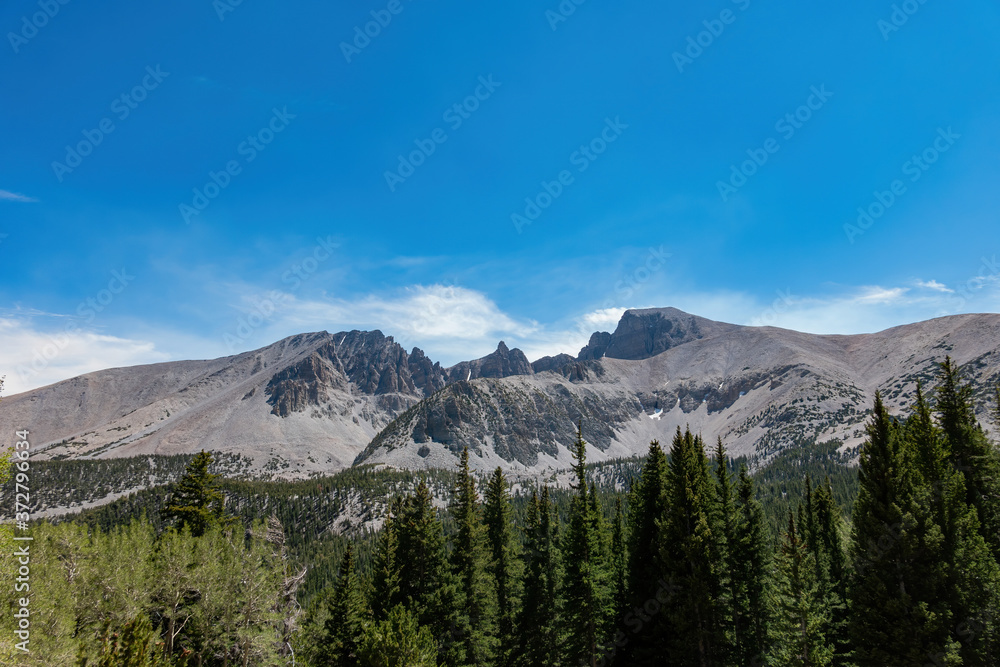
(505, 565)
(345, 623)
(647, 507)
(586, 589)
(679, 570)
(799, 613)
(750, 573)
(414, 573)
(922, 569)
(540, 618)
(134, 645)
(476, 599)
(692, 558)
(196, 503)
(398, 641)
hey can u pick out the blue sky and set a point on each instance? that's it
(620, 121)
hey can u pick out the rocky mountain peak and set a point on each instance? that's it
(645, 333)
(501, 363)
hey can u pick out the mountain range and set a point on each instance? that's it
(319, 402)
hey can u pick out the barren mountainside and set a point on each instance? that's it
(319, 401)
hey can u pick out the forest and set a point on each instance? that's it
(683, 557)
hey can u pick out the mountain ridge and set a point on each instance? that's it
(317, 402)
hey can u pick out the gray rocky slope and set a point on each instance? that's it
(319, 402)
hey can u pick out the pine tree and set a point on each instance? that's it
(397, 641)
(196, 502)
(832, 569)
(539, 622)
(425, 584)
(724, 529)
(586, 589)
(751, 573)
(799, 612)
(647, 510)
(505, 563)
(476, 600)
(690, 554)
(903, 595)
(959, 575)
(385, 593)
(619, 560)
(970, 451)
(345, 625)
(133, 645)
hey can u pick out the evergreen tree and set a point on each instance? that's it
(196, 502)
(476, 601)
(959, 576)
(832, 569)
(397, 641)
(586, 586)
(800, 614)
(750, 572)
(538, 627)
(970, 451)
(134, 645)
(619, 560)
(345, 624)
(905, 597)
(505, 564)
(425, 584)
(385, 593)
(690, 553)
(647, 510)
(724, 529)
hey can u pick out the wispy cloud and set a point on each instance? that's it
(7, 195)
(452, 323)
(934, 285)
(880, 295)
(32, 358)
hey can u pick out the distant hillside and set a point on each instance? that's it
(319, 402)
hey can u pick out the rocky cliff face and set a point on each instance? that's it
(317, 402)
(500, 364)
(761, 389)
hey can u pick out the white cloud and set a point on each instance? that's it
(879, 295)
(453, 324)
(450, 323)
(934, 285)
(32, 358)
(7, 195)
(603, 318)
